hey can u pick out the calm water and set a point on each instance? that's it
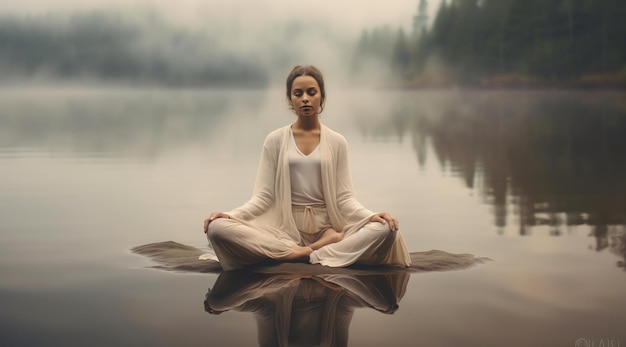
(534, 180)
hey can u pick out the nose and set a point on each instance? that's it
(305, 98)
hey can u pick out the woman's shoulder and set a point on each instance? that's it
(277, 135)
(333, 136)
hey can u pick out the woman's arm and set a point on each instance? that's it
(347, 202)
(264, 188)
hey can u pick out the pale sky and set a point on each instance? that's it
(349, 15)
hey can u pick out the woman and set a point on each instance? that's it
(303, 206)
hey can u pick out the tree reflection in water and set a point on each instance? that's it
(553, 160)
(304, 309)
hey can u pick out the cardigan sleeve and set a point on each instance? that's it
(347, 203)
(264, 188)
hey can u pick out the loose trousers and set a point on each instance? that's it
(237, 245)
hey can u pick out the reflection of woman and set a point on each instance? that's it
(297, 309)
(303, 206)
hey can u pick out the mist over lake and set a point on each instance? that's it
(532, 180)
(487, 128)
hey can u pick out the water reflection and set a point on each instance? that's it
(304, 309)
(612, 237)
(117, 123)
(552, 161)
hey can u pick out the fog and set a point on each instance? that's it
(348, 15)
(247, 43)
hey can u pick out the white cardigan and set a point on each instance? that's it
(269, 209)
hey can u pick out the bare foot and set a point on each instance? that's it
(329, 236)
(298, 253)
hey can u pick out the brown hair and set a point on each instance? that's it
(307, 70)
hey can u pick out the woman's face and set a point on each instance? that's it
(306, 97)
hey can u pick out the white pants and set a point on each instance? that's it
(237, 245)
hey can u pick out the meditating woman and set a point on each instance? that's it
(303, 205)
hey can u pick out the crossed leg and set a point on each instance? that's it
(329, 236)
(237, 245)
(369, 245)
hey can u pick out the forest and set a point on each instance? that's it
(571, 43)
(476, 43)
(109, 47)
(148, 48)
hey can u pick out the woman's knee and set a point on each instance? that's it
(379, 227)
(380, 230)
(217, 229)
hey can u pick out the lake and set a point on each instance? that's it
(534, 180)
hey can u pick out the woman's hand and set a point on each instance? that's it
(212, 217)
(384, 217)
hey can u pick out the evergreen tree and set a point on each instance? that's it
(401, 57)
(547, 39)
(420, 52)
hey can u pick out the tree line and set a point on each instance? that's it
(485, 41)
(107, 47)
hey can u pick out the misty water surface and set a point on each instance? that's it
(533, 180)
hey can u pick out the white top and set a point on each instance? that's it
(306, 175)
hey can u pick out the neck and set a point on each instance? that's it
(307, 123)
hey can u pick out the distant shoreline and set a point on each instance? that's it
(514, 82)
(418, 84)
